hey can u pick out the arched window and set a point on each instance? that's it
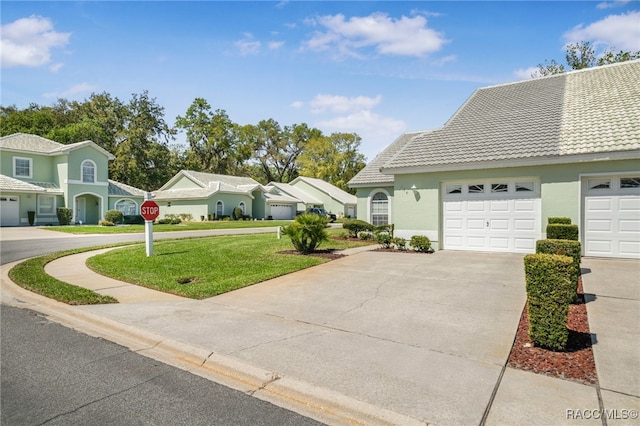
(88, 171)
(379, 209)
(243, 207)
(127, 207)
(219, 209)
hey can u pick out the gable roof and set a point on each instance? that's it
(371, 172)
(9, 184)
(561, 118)
(331, 190)
(207, 185)
(295, 193)
(117, 189)
(25, 142)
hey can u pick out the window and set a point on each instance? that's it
(499, 187)
(88, 171)
(219, 209)
(524, 186)
(127, 207)
(630, 182)
(46, 204)
(379, 209)
(476, 189)
(599, 183)
(454, 189)
(22, 167)
(243, 207)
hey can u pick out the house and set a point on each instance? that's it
(207, 196)
(511, 157)
(39, 175)
(332, 198)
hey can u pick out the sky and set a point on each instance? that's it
(377, 69)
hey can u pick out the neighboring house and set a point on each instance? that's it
(514, 155)
(304, 199)
(39, 175)
(332, 198)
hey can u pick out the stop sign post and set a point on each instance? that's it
(149, 210)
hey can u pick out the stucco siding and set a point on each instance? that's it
(78, 156)
(184, 182)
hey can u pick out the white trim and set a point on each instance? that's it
(95, 172)
(80, 182)
(40, 197)
(500, 164)
(243, 206)
(137, 210)
(221, 203)
(369, 198)
(100, 207)
(30, 160)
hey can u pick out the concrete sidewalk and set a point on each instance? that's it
(376, 338)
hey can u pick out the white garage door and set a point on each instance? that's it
(9, 211)
(281, 212)
(611, 207)
(496, 216)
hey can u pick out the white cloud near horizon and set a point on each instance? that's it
(612, 4)
(342, 104)
(73, 91)
(619, 32)
(28, 42)
(388, 36)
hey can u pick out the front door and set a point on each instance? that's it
(81, 210)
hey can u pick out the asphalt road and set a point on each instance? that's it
(54, 375)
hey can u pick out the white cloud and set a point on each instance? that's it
(297, 104)
(444, 60)
(56, 67)
(612, 4)
(399, 37)
(342, 104)
(73, 91)
(526, 73)
(274, 45)
(615, 31)
(248, 46)
(29, 41)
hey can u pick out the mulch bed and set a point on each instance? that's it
(576, 363)
(326, 254)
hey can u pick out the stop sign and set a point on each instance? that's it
(149, 210)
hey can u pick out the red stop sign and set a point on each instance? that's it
(149, 210)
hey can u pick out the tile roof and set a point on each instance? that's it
(583, 112)
(118, 189)
(295, 193)
(9, 184)
(209, 184)
(37, 144)
(333, 191)
(371, 173)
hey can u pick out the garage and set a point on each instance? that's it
(281, 211)
(611, 206)
(9, 211)
(495, 216)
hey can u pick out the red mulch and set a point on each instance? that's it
(575, 363)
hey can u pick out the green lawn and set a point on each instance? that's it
(186, 226)
(209, 266)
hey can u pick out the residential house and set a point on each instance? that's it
(511, 157)
(333, 199)
(39, 175)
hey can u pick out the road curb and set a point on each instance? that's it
(322, 404)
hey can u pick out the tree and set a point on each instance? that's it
(332, 158)
(214, 144)
(583, 55)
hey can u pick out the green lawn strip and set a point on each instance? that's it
(186, 226)
(210, 266)
(30, 275)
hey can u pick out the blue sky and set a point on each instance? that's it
(374, 68)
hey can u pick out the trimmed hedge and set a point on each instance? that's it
(560, 220)
(549, 289)
(561, 231)
(113, 216)
(355, 226)
(569, 248)
(385, 240)
(64, 215)
(420, 243)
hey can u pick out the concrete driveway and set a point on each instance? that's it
(422, 335)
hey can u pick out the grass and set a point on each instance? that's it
(31, 276)
(185, 226)
(204, 267)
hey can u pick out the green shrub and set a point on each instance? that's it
(104, 222)
(389, 228)
(420, 243)
(176, 221)
(237, 213)
(114, 216)
(133, 220)
(224, 217)
(549, 288)
(64, 215)
(187, 217)
(400, 243)
(307, 232)
(569, 248)
(365, 235)
(165, 221)
(561, 231)
(384, 240)
(355, 226)
(560, 220)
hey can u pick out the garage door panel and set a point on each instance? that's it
(9, 211)
(499, 243)
(524, 244)
(524, 206)
(599, 225)
(599, 204)
(453, 206)
(631, 205)
(524, 224)
(475, 224)
(499, 224)
(454, 224)
(499, 206)
(629, 248)
(475, 206)
(476, 242)
(629, 226)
